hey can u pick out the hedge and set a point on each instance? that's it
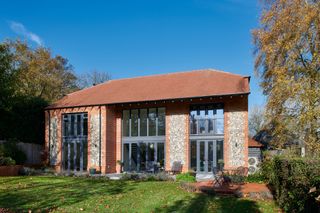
(295, 182)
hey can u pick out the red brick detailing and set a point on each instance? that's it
(118, 140)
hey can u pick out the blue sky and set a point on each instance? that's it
(135, 38)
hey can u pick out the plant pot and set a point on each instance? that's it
(92, 171)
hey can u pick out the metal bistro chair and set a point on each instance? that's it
(218, 178)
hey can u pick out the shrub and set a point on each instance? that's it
(185, 177)
(255, 178)
(6, 161)
(291, 180)
(161, 176)
(235, 178)
(10, 149)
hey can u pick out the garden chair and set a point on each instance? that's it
(176, 168)
(218, 178)
(241, 171)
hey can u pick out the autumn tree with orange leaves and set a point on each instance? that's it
(287, 58)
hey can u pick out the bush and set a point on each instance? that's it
(6, 161)
(10, 149)
(255, 178)
(291, 180)
(161, 176)
(235, 178)
(185, 177)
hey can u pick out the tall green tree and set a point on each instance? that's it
(30, 79)
(287, 50)
(7, 77)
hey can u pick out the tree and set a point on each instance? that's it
(256, 120)
(40, 74)
(287, 50)
(29, 80)
(7, 76)
(92, 78)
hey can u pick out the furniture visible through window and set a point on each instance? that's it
(143, 137)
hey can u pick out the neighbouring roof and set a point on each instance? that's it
(253, 143)
(198, 83)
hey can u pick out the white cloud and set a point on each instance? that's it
(20, 29)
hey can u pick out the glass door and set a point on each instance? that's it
(206, 156)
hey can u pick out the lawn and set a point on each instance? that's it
(71, 194)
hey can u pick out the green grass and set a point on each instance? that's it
(70, 194)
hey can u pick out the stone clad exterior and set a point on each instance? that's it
(177, 138)
(236, 141)
(54, 149)
(94, 139)
(105, 140)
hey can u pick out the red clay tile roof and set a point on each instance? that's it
(253, 143)
(198, 83)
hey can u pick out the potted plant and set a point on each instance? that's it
(192, 172)
(92, 170)
(220, 164)
(119, 162)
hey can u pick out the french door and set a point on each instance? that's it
(75, 142)
(205, 154)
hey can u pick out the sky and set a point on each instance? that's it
(137, 38)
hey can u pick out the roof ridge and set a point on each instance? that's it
(174, 73)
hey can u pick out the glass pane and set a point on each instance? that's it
(194, 155)
(193, 123)
(78, 156)
(202, 160)
(65, 155)
(161, 121)
(65, 126)
(85, 124)
(143, 122)
(210, 156)
(210, 126)
(126, 157)
(72, 125)
(219, 151)
(202, 126)
(134, 122)
(219, 113)
(85, 154)
(134, 157)
(219, 126)
(152, 121)
(71, 156)
(78, 125)
(150, 151)
(125, 123)
(160, 154)
(210, 113)
(143, 155)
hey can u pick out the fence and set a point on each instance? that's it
(32, 151)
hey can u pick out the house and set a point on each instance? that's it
(196, 118)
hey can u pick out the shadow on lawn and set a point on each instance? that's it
(52, 192)
(209, 203)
